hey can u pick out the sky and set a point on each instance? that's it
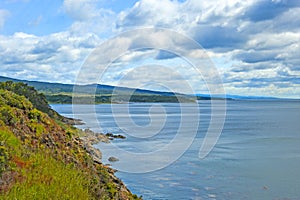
(253, 44)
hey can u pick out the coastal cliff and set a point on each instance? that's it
(42, 156)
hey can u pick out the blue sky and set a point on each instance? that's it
(254, 44)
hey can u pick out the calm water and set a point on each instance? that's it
(256, 157)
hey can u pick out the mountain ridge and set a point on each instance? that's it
(40, 85)
(98, 93)
(55, 91)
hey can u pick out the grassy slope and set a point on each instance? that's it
(43, 158)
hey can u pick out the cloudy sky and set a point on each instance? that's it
(254, 44)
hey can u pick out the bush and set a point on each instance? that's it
(35, 115)
(3, 157)
(8, 142)
(38, 100)
(7, 115)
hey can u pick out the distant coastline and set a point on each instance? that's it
(58, 93)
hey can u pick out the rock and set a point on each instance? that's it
(93, 140)
(112, 136)
(72, 121)
(109, 135)
(102, 138)
(265, 188)
(113, 159)
(120, 136)
(96, 155)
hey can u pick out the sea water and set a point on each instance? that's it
(256, 157)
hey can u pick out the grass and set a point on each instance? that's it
(47, 178)
(40, 176)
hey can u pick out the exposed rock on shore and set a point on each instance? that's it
(72, 121)
(112, 136)
(113, 159)
(89, 139)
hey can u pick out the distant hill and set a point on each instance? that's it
(54, 88)
(62, 93)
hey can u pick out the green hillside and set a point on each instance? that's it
(62, 93)
(41, 157)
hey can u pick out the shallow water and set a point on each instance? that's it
(256, 157)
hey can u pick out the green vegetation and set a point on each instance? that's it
(98, 99)
(38, 100)
(42, 157)
(62, 94)
(43, 177)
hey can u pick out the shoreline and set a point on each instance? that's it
(88, 138)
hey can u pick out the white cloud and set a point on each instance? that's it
(80, 9)
(182, 16)
(251, 49)
(150, 12)
(56, 57)
(89, 17)
(272, 40)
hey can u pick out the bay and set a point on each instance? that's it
(256, 157)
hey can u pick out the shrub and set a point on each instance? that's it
(7, 115)
(35, 115)
(8, 142)
(38, 100)
(3, 157)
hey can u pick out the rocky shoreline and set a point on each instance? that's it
(72, 121)
(89, 138)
